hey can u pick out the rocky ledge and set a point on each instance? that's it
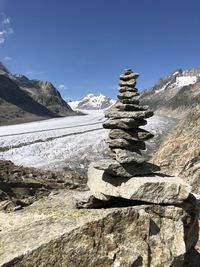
(20, 186)
(52, 232)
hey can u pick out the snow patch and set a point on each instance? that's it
(162, 88)
(185, 80)
(175, 73)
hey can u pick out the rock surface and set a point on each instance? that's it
(52, 232)
(20, 186)
(154, 188)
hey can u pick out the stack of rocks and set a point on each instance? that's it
(126, 139)
(126, 174)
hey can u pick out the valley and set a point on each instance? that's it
(71, 142)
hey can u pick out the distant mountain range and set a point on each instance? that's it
(92, 102)
(24, 100)
(174, 94)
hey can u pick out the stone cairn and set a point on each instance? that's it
(126, 139)
(126, 174)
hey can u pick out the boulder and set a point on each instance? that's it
(121, 171)
(124, 123)
(153, 188)
(52, 233)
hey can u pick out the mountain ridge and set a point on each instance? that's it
(166, 95)
(24, 100)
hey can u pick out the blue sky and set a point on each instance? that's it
(85, 44)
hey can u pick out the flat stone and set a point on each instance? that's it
(128, 144)
(136, 134)
(126, 156)
(127, 94)
(128, 71)
(116, 114)
(153, 188)
(127, 88)
(131, 83)
(114, 168)
(130, 107)
(127, 77)
(124, 123)
(134, 100)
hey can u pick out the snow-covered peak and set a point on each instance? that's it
(92, 102)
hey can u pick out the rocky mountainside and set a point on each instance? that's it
(179, 154)
(16, 106)
(178, 95)
(24, 100)
(44, 93)
(92, 102)
(174, 94)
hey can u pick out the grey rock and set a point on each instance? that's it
(134, 100)
(123, 123)
(53, 232)
(130, 107)
(130, 83)
(152, 188)
(116, 114)
(127, 94)
(127, 88)
(128, 144)
(127, 77)
(114, 168)
(136, 134)
(126, 156)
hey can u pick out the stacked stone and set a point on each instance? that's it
(126, 139)
(126, 174)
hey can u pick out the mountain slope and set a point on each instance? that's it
(24, 100)
(44, 93)
(16, 106)
(179, 154)
(174, 94)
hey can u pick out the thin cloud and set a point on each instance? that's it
(7, 58)
(5, 27)
(62, 87)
